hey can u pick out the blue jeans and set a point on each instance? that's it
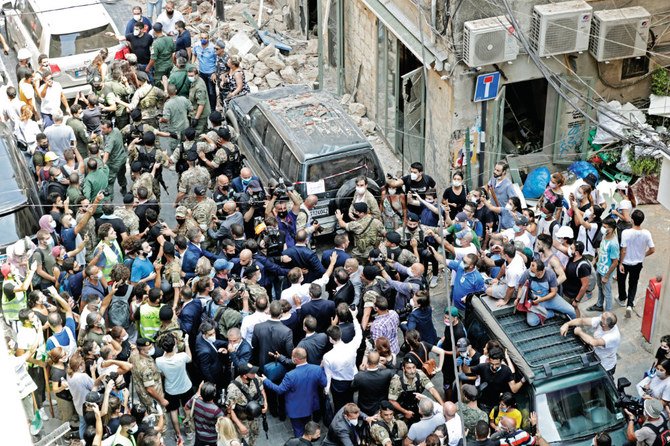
(47, 120)
(82, 426)
(555, 305)
(154, 7)
(605, 292)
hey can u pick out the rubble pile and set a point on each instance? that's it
(358, 112)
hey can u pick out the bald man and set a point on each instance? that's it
(453, 423)
(301, 387)
(239, 184)
(231, 216)
(509, 434)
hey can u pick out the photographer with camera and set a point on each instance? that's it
(278, 207)
(367, 230)
(423, 235)
(655, 422)
(252, 205)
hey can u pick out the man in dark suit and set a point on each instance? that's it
(303, 257)
(301, 387)
(342, 432)
(322, 310)
(272, 341)
(238, 349)
(341, 242)
(208, 352)
(240, 184)
(372, 384)
(193, 252)
(315, 344)
(190, 314)
(343, 289)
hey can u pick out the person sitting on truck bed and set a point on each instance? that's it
(543, 293)
(497, 376)
(503, 290)
(605, 340)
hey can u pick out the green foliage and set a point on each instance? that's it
(643, 165)
(660, 82)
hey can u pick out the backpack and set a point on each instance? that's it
(597, 239)
(118, 312)
(662, 433)
(91, 73)
(593, 278)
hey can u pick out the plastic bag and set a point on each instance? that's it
(536, 182)
(582, 168)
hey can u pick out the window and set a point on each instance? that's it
(335, 172)
(258, 123)
(17, 225)
(290, 166)
(31, 22)
(63, 45)
(274, 144)
(634, 67)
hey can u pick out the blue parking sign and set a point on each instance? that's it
(486, 87)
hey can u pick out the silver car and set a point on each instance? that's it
(70, 32)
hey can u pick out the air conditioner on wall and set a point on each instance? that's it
(619, 33)
(559, 28)
(489, 41)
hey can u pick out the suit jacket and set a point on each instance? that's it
(342, 257)
(373, 387)
(315, 346)
(302, 387)
(189, 317)
(346, 294)
(237, 185)
(237, 269)
(208, 359)
(191, 256)
(270, 336)
(241, 356)
(341, 433)
(322, 310)
(305, 258)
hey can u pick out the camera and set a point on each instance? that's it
(283, 188)
(633, 404)
(381, 258)
(318, 230)
(272, 240)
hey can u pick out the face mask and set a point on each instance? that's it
(125, 338)
(191, 78)
(661, 375)
(148, 254)
(353, 422)
(202, 238)
(552, 185)
(246, 181)
(136, 32)
(151, 351)
(137, 17)
(414, 176)
(542, 215)
(133, 429)
(456, 183)
(60, 177)
(430, 200)
(532, 274)
(603, 231)
(211, 338)
(579, 195)
(169, 13)
(180, 221)
(495, 369)
(99, 275)
(52, 224)
(508, 207)
(462, 265)
(571, 252)
(504, 409)
(282, 214)
(360, 190)
(391, 191)
(50, 243)
(515, 228)
(204, 42)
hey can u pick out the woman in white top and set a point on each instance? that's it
(623, 206)
(27, 129)
(657, 385)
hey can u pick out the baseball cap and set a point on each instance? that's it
(470, 391)
(451, 310)
(142, 76)
(250, 270)
(50, 156)
(220, 43)
(370, 272)
(181, 212)
(565, 232)
(361, 208)
(653, 408)
(199, 190)
(462, 344)
(521, 220)
(136, 166)
(254, 186)
(393, 237)
(144, 342)
(247, 368)
(221, 264)
(461, 217)
(411, 216)
(223, 133)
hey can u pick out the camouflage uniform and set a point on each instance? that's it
(380, 431)
(89, 229)
(470, 418)
(226, 159)
(146, 180)
(130, 218)
(188, 224)
(367, 232)
(372, 292)
(236, 396)
(256, 291)
(173, 329)
(402, 395)
(111, 92)
(158, 155)
(146, 374)
(405, 257)
(203, 211)
(148, 99)
(194, 176)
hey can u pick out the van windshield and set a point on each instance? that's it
(335, 172)
(578, 411)
(94, 39)
(18, 224)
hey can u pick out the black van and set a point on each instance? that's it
(306, 138)
(19, 202)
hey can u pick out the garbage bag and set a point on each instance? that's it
(536, 182)
(582, 168)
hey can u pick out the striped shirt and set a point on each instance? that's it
(205, 416)
(518, 438)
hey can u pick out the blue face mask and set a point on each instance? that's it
(515, 228)
(246, 182)
(204, 42)
(458, 227)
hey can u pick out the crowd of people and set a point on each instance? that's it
(128, 325)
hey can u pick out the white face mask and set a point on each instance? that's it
(99, 275)
(353, 422)
(579, 195)
(136, 32)
(456, 183)
(53, 224)
(211, 338)
(414, 176)
(137, 17)
(133, 429)
(603, 231)
(508, 207)
(125, 338)
(391, 191)
(191, 78)
(360, 190)
(151, 351)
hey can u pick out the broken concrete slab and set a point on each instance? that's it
(265, 52)
(346, 98)
(275, 63)
(273, 79)
(249, 60)
(368, 126)
(261, 70)
(296, 60)
(289, 75)
(357, 109)
(241, 44)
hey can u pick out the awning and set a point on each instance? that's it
(408, 33)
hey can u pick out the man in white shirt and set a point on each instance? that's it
(453, 423)
(61, 137)
(250, 321)
(518, 233)
(168, 18)
(300, 289)
(52, 96)
(11, 107)
(340, 364)
(636, 245)
(605, 340)
(504, 290)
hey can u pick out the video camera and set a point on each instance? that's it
(272, 241)
(633, 404)
(283, 188)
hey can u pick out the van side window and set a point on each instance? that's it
(258, 122)
(290, 165)
(273, 143)
(32, 24)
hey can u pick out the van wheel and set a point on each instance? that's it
(232, 123)
(345, 195)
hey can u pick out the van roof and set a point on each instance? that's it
(61, 17)
(539, 352)
(313, 123)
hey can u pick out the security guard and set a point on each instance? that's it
(221, 156)
(404, 387)
(197, 94)
(245, 397)
(151, 158)
(141, 178)
(185, 221)
(14, 292)
(391, 250)
(203, 208)
(147, 378)
(193, 176)
(367, 231)
(147, 98)
(388, 431)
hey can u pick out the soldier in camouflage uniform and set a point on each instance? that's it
(392, 251)
(373, 285)
(151, 158)
(169, 325)
(127, 213)
(141, 179)
(220, 155)
(194, 176)
(148, 98)
(252, 274)
(387, 431)
(147, 376)
(184, 221)
(367, 231)
(88, 232)
(405, 384)
(197, 94)
(202, 207)
(469, 411)
(244, 388)
(117, 89)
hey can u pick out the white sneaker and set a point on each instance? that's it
(43, 414)
(622, 303)
(433, 281)
(629, 312)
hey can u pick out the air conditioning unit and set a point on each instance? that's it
(559, 28)
(489, 41)
(619, 33)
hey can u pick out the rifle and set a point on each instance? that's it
(266, 428)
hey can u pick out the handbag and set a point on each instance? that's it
(328, 410)
(274, 371)
(21, 144)
(428, 366)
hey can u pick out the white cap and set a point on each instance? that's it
(23, 54)
(19, 248)
(565, 232)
